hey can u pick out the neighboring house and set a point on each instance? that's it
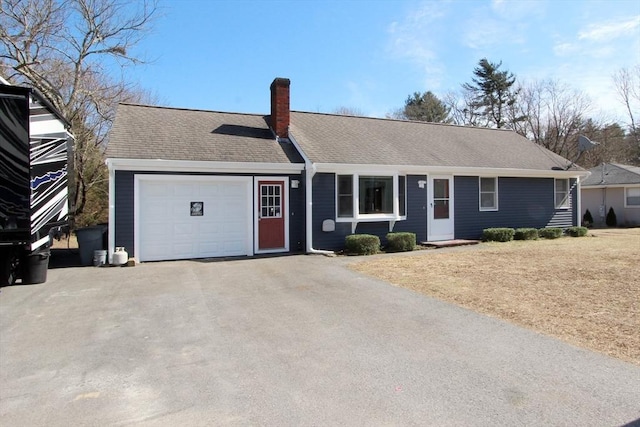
(614, 186)
(193, 184)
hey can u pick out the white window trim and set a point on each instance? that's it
(357, 217)
(492, 209)
(555, 194)
(625, 197)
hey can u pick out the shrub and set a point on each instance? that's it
(611, 220)
(526, 234)
(401, 242)
(497, 234)
(550, 233)
(362, 244)
(587, 219)
(577, 231)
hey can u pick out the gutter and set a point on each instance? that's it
(310, 171)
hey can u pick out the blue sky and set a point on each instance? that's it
(370, 55)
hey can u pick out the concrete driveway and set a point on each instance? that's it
(297, 340)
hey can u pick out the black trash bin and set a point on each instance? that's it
(90, 239)
(35, 268)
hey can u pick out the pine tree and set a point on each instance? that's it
(491, 92)
(426, 107)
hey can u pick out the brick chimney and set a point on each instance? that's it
(280, 107)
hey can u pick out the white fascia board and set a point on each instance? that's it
(159, 165)
(343, 168)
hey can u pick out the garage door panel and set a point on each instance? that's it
(168, 231)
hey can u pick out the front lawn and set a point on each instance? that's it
(582, 290)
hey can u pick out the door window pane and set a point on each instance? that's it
(441, 209)
(271, 201)
(440, 188)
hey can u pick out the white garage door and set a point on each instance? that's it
(182, 217)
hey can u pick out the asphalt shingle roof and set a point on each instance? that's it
(327, 138)
(146, 132)
(614, 174)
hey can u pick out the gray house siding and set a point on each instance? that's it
(416, 221)
(522, 202)
(124, 209)
(124, 201)
(324, 207)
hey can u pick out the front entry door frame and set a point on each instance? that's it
(439, 228)
(284, 214)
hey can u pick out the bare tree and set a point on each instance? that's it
(348, 111)
(627, 84)
(68, 50)
(550, 114)
(461, 108)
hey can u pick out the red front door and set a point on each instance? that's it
(271, 215)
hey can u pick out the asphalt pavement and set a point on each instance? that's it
(283, 341)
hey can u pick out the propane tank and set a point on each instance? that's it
(120, 256)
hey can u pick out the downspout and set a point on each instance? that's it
(310, 171)
(579, 203)
(112, 210)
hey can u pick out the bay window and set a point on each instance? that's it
(372, 196)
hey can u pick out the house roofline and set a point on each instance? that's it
(201, 166)
(451, 170)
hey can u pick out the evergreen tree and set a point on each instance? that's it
(491, 92)
(426, 107)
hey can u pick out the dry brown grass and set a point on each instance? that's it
(583, 290)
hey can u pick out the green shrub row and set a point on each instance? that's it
(577, 231)
(368, 244)
(526, 234)
(362, 244)
(497, 234)
(550, 232)
(507, 234)
(401, 242)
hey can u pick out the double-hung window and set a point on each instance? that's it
(371, 196)
(562, 193)
(488, 194)
(632, 197)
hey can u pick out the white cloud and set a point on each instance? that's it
(608, 31)
(416, 38)
(504, 22)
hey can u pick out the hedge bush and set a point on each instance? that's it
(362, 244)
(498, 234)
(587, 219)
(526, 234)
(550, 233)
(577, 231)
(401, 242)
